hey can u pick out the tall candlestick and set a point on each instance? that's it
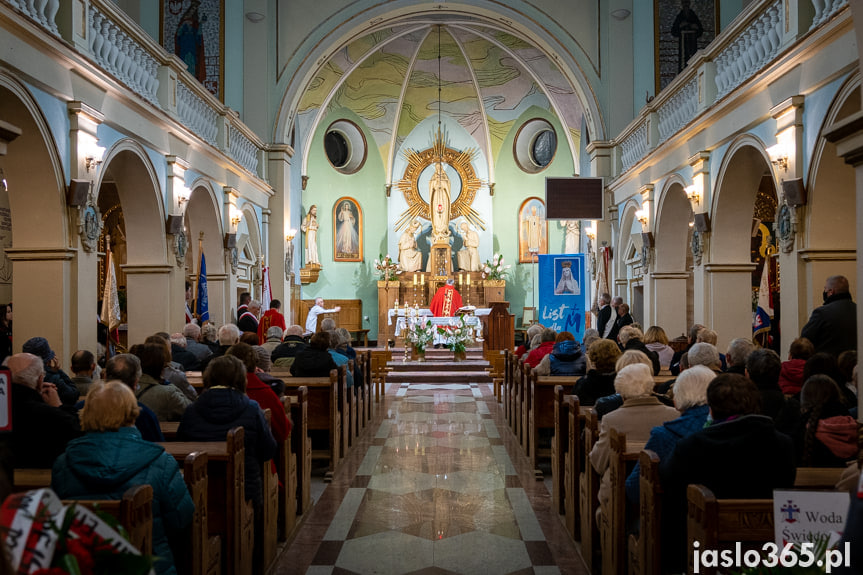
(468, 280)
(415, 279)
(422, 280)
(460, 279)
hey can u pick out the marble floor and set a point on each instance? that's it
(437, 485)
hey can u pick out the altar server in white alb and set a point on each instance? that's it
(317, 309)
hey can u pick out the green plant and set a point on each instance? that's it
(457, 335)
(493, 269)
(421, 334)
(387, 269)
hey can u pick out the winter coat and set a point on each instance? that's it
(166, 401)
(791, 376)
(638, 345)
(287, 351)
(593, 386)
(662, 441)
(535, 356)
(103, 465)
(835, 439)
(267, 399)
(832, 328)
(566, 358)
(66, 388)
(664, 352)
(217, 411)
(311, 362)
(40, 431)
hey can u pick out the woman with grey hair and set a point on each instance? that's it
(263, 365)
(690, 398)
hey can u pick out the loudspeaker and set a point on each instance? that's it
(174, 224)
(647, 238)
(230, 241)
(76, 193)
(702, 222)
(795, 192)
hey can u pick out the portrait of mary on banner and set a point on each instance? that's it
(562, 293)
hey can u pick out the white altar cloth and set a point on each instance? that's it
(426, 312)
(469, 320)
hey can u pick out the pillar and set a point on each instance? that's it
(279, 167)
(229, 209)
(143, 281)
(176, 201)
(668, 291)
(729, 316)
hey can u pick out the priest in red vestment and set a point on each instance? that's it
(446, 300)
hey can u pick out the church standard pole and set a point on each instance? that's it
(198, 276)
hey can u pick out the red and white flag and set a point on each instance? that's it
(266, 289)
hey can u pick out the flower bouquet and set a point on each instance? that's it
(493, 269)
(386, 268)
(43, 537)
(420, 334)
(457, 335)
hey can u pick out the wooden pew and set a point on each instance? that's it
(134, 511)
(518, 402)
(324, 410)
(229, 514)
(25, 479)
(644, 548)
(270, 510)
(169, 429)
(588, 493)
(301, 446)
(541, 413)
(286, 464)
(612, 530)
(379, 359)
(566, 458)
(196, 380)
(506, 388)
(497, 361)
(204, 555)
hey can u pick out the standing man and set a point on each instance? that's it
(610, 331)
(446, 300)
(317, 309)
(271, 318)
(832, 328)
(249, 320)
(604, 314)
(245, 298)
(189, 317)
(623, 319)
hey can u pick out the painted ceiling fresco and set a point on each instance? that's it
(389, 78)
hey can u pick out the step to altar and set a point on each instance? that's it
(438, 365)
(433, 354)
(408, 375)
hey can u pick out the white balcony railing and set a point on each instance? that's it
(196, 114)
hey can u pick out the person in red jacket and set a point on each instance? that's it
(259, 391)
(791, 376)
(546, 338)
(272, 317)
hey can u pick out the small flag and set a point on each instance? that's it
(266, 289)
(760, 322)
(110, 301)
(202, 307)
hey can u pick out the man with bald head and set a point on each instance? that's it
(283, 355)
(41, 425)
(832, 328)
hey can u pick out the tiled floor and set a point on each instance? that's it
(438, 485)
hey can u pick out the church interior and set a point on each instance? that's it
(380, 173)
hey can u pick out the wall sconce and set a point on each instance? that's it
(183, 195)
(641, 216)
(693, 193)
(236, 216)
(591, 231)
(779, 156)
(290, 235)
(93, 154)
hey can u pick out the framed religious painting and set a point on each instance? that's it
(194, 30)
(681, 28)
(347, 230)
(532, 230)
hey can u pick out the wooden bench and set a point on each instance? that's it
(567, 458)
(588, 496)
(230, 515)
(378, 368)
(325, 410)
(507, 387)
(644, 548)
(169, 429)
(497, 361)
(269, 511)
(301, 448)
(196, 380)
(134, 511)
(25, 479)
(204, 555)
(349, 317)
(612, 529)
(541, 411)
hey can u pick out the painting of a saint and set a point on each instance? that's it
(194, 31)
(532, 230)
(347, 231)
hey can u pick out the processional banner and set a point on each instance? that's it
(562, 293)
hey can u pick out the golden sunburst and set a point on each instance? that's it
(460, 160)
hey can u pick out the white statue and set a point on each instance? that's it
(310, 228)
(571, 236)
(468, 256)
(533, 223)
(439, 204)
(410, 258)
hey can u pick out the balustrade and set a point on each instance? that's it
(242, 149)
(196, 114)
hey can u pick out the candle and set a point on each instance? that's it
(415, 279)
(468, 280)
(460, 279)
(422, 280)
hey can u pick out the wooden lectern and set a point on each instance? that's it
(501, 327)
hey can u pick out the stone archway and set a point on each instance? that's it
(249, 249)
(42, 262)
(148, 270)
(727, 276)
(671, 277)
(628, 279)
(203, 215)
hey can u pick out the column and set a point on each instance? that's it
(176, 201)
(142, 282)
(229, 217)
(279, 167)
(668, 302)
(729, 317)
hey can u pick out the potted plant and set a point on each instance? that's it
(387, 269)
(493, 270)
(458, 336)
(420, 335)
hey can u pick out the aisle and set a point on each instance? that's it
(439, 486)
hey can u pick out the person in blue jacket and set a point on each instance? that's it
(112, 457)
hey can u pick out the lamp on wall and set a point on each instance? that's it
(641, 216)
(693, 193)
(591, 231)
(779, 155)
(183, 195)
(236, 216)
(93, 154)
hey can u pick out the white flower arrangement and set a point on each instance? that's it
(494, 268)
(387, 268)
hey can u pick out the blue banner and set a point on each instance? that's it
(563, 293)
(202, 307)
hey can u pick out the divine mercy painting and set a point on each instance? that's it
(347, 230)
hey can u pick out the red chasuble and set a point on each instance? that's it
(445, 302)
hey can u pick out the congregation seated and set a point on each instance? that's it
(180, 355)
(656, 341)
(210, 338)
(223, 406)
(261, 392)
(546, 344)
(630, 338)
(827, 364)
(285, 353)
(173, 372)
(690, 399)
(43, 425)
(709, 336)
(566, 357)
(763, 367)
(193, 334)
(736, 354)
(263, 366)
(112, 456)
(791, 375)
(126, 367)
(84, 367)
(639, 413)
(740, 455)
(273, 338)
(599, 380)
(314, 360)
(344, 347)
(166, 400)
(826, 436)
(590, 335)
(532, 331)
(611, 402)
(847, 365)
(40, 347)
(691, 338)
(229, 334)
